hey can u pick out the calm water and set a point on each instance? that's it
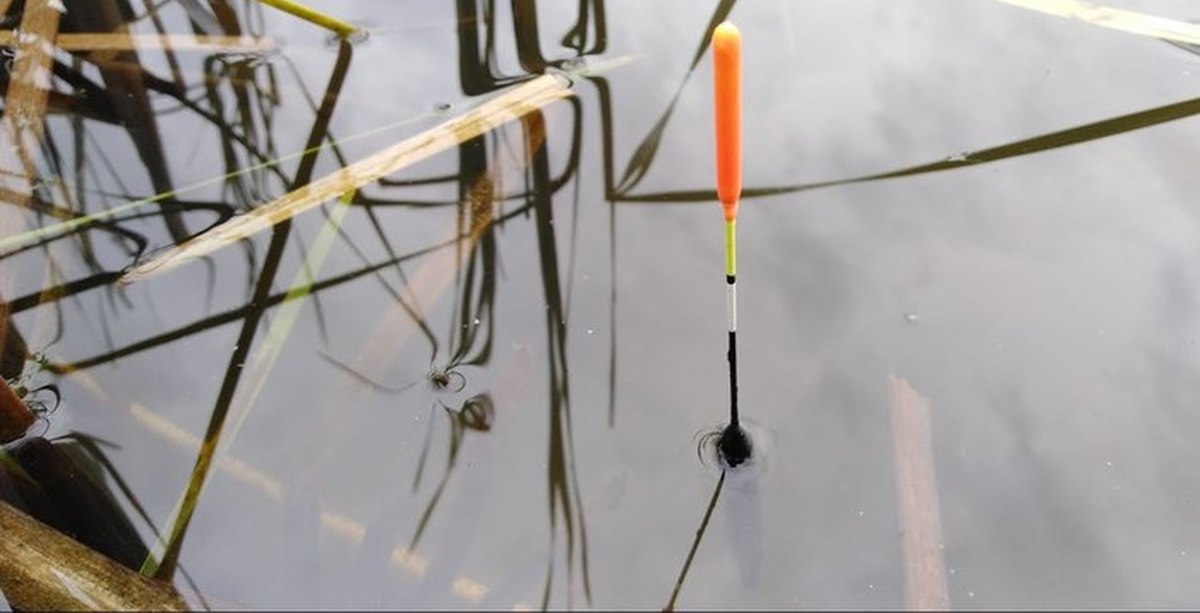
(1045, 304)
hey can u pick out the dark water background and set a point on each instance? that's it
(1045, 303)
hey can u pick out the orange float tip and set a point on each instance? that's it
(727, 106)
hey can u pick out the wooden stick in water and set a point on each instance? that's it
(925, 586)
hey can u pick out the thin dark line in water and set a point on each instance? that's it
(687, 564)
(349, 370)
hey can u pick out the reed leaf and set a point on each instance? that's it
(1043, 142)
(1116, 19)
(14, 242)
(511, 105)
(646, 151)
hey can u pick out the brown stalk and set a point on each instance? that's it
(21, 130)
(917, 497)
(511, 105)
(25, 100)
(124, 41)
(42, 569)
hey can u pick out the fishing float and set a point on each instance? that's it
(734, 444)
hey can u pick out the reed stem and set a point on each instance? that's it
(333, 24)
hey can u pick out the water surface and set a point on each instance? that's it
(1044, 304)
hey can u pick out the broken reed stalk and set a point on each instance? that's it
(21, 129)
(25, 103)
(42, 569)
(13, 239)
(925, 585)
(121, 41)
(506, 107)
(333, 24)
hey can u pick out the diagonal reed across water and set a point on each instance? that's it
(515, 103)
(1037, 144)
